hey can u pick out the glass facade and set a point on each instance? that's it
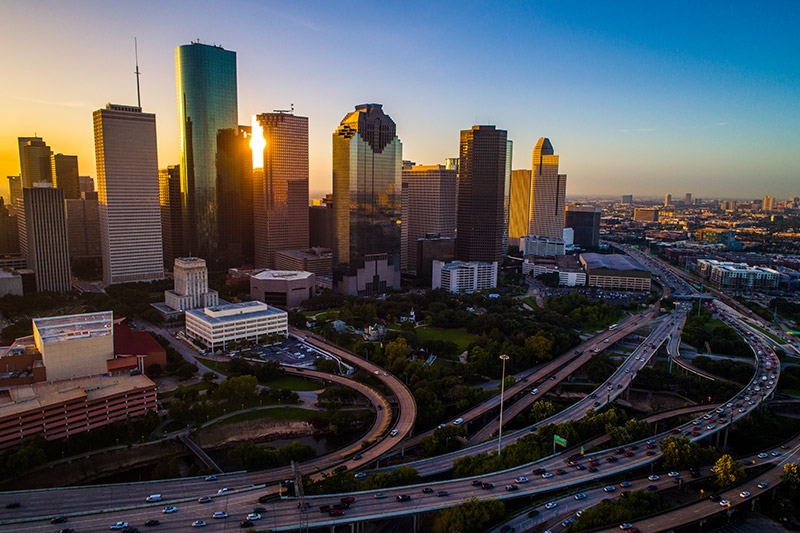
(367, 163)
(548, 193)
(207, 106)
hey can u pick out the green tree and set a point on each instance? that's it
(323, 364)
(430, 408)
(397, 352)
(238, 389)
(791, 476)
(472, 516)
(727, 471)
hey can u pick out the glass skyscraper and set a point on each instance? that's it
(548, 193)
(207, 108)
(367, 164)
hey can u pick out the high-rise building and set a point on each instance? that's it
(507, 194)
(367, 159)
(667, 200)
(585, 223)
(481, 194)
(43, 237)
(169, 196)
(688, 199)
(428, 206)
(768, 203)
(9, 230)
(83, 227)
(235, 196)
(548, 193)
(191, 286)
(86, 184)
(520, 208)
(65, 175)
(207, 106)
(127, 180)
(34, 161)
(14, 192)
(433, 247)
(320, 223)
(627, 199)
(280, 185)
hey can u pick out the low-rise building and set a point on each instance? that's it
(569, 270)
(75, 345)
(214, 327)
(10, 283)
(191, 286)
(282, 287)
(615, 271)
(725, 274)
(541, 245)
(642, 214)
(317, 260)
(464, 277)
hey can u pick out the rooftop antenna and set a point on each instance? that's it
(138, 94)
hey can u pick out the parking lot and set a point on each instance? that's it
(289, 351)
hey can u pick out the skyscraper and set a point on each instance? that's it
(688, 200)
(43, 237)
(127, 181)
(235, 196)
(428, 206)
(768, 203)
(14, 192)
(83, 227)
(585, 223)
(207, 106)
(548, 193)
(169, 195)
(34, 161)
(367, 159)
(519, 213)
(65, 175)
(481, 194)
(280, 185)
(667, 200)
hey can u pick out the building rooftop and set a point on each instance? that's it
(63, 328)
(310, 253)
(611, 261)
(232, 312)
(455, 265)
(284, 275)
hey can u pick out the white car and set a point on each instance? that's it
(458, 421)
(170, 509)
(199, 523)
(220, 514)
(223, 490)
(653, 477)
(119, 525)
(550, 505)
(394, 433)
(535, 391)
(547, 475)
(254, 516)
(673, 474)
(520, 479)
(744, 494)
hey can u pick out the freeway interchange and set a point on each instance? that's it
(94, 508)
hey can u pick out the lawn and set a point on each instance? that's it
(275, 413)
(217, 366)
(458, 336)
(294, 383)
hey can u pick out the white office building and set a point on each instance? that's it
(191, 286)
(461, 277)
(214, 327)
(542, 245)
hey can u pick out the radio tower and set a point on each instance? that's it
(138, 94)
(298, 492)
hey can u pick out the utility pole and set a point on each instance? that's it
(504, 357)
(298, 491)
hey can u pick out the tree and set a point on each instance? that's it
(472, 516)
(154, 370)
(550, 279)
(323, 364)
(727, 471)
(791, 476)
(208, 377)
(430, 408)
(238, 389)
(397, 353)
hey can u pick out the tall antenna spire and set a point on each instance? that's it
(138, 94)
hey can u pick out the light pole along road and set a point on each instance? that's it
(504, 357)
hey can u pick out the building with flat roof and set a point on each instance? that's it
(569, 270)
(317, 260)
(83, 227)
(433, 247)
(730, 275)
(642, 214)
(287, 288)
(615, 271)
(214, 327)
(584, 220)
(10, 283)
(34, 161)
(464, 277)
(542, 245)
(75, 345)
(60, 409)
(191, 286)
(43, 237)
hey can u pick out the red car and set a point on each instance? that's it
(335, 512)
(650, 452)
(628, 454)
(594, 463)
(348, 499)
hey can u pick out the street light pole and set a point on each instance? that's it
(504, 357)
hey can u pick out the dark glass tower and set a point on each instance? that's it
(482, 205)
(367, 163)
(207, 107)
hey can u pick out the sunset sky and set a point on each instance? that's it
(646, 98)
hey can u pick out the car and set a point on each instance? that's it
(625, 484)
(560, 472)
(673, 474)
(223, 490)
(476, 482)
(487, 486)
(594, 463)
(442, 493)
(204, 499)
(427, 490)
(119, 525)
(152, 523)
(715, 497)
(634, 530)
(212, 477)
(629, 454)
(246, 524)
(609, 488)
(744, 494)
(592, 469)
(379, 496)
(520, 479)
(550, 505)
(652, 488)
(511, 487)
(13, 505)
(580, 496)
(710, 426)
(335, 512)
(199, 523)
(360, 475)
(458, 421)
(625, 525)
(567, 522)
(358, 456)
(341, 468)
(725, 503)
(324, 508)
(220, 514)
(254, 516)
(341, 506)
(393, 433)
(763, 485)
(776, 453)
(649, 452)
(547, 475)
(580, 467)
(403, 498)
(348, 499)
(533, 512)
(535, 391)
(611, 459)
(59, 520)
(170, 509)
(653, 477)
(377, 372)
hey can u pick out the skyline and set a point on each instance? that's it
(626, 94)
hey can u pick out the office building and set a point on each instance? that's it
(428, 206)
(667, 200)
(642, 214)
(615, 271)
(127, 179)
(688, 199)
(65, 175)
(75, 345)
(520, 206)
(729, 205)
(430, 248)
(585, 223)
(10, 283)
(464, 276)
(280, 185)
(43, 237)
(235, 196)
(9, 230)
(86, 184)
(627, 199)
(320, 223)
(730, 275)
(34, 161)
(768, 203)
(569, 270)
(214, 327)
(540, 245)
(481, 216)
(169, 197)
(316, 260)
(367, 156)
(83, 227)
(191, 286)
(14, 192)
(287, 288)
(548, 192)
(207, 107)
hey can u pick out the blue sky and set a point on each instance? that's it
(636, 97)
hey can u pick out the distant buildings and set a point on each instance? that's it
(464, 277)
(14, 192)
(65, 175)
(191, 286)
(43, 237)
(548, 193)
(627, 199)
(615, 271)
(320, 223)
(520, 206)
(316, 260)
(641, 214)
(34, 160)
(207, 109)
(215, 327)
(688, 199)
(83, 227)
(430, 248)
(768, 203)
(482, 208)
(169, 197)
(282, 287)
(730, 275)
(280, 196)
(127, 177)
(428, 206)
(585, 223)
(367, 156)
(540, 245)
(667, 200)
